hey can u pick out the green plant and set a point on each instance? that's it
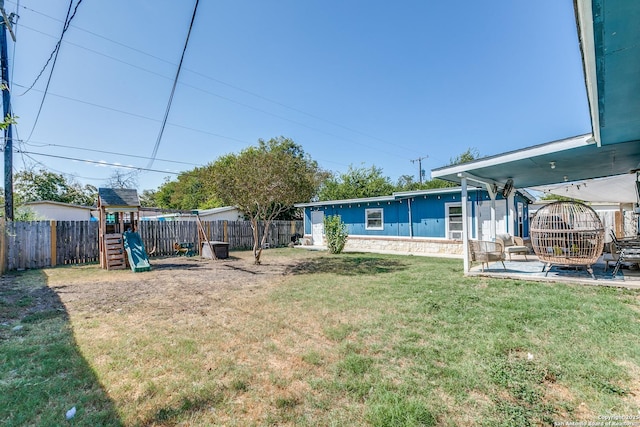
(336, 233)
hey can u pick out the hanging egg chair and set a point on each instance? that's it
(568, 234)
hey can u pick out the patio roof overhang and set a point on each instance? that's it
(609, 34)
(571, 159)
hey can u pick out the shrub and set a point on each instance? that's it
(336, 233)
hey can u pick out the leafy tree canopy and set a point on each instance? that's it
(32, 186)
(192, 190)
(406, 183)
(356, 183)
(559, 198)
(468, 156)
(265, 181)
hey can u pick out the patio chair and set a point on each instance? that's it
(628, 250)
(513, 245)
(485, 252)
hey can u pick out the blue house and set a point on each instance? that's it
(424, 221)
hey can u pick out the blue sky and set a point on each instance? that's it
(354, 82)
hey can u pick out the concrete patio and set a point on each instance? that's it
(531, 269)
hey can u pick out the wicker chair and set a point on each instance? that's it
(568, 234)
(485, 252)
(512, 245)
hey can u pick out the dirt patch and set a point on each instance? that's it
(18, 302)
(174, 284)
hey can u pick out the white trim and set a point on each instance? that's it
(366, 219)
(465, 226)
(447, 230)
(587, 45)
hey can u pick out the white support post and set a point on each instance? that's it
(492, 223)
(512, 224)
(465, 225)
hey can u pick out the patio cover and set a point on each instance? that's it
(608, 34)
(566, 160)
(613, 189)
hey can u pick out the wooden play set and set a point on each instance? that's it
(120, 245)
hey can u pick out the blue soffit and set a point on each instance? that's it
(609, 34)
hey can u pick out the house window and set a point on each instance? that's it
(454, 221)
(374, 219)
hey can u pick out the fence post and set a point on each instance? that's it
(3, 246)
(225, 235)
(54, 255)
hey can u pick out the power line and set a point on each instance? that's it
(230, 138)
(96, 162)
(173, 88)
(41, 144)
(56, 48)
(217, 81)
(53, 65)
(42, 165)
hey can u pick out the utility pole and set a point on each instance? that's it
(420, 171)
(6, 109)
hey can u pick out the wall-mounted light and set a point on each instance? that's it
(552, 164)
(566, 178)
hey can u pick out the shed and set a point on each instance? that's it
(58, 211)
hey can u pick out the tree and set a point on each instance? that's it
(32, 186)
(193, 189)
(265, 181)
(356, 183)
(123, 179)
(148, 199)
(468, 156)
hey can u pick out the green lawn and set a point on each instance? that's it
(352, 339)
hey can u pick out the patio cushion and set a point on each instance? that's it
(507, 240)
(512, 245)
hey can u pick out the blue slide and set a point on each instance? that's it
(138, 259)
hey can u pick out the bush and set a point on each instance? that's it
(336, 233)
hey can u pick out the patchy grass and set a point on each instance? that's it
(312, 339)
(42, 372)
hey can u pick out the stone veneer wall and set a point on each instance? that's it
(400, 245)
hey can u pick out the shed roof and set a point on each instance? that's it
(118, 197)
(66, 205)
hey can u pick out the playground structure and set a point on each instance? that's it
(119, 216)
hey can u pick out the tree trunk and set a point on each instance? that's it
(257, 247)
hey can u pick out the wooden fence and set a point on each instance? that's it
(39, 244)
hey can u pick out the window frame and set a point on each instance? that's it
(448, 222)
(369, 211)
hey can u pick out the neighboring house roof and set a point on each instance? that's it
(214, 211)
(400, 195)
(50, 202)
(118, 197)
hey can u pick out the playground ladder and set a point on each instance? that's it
(114, 256)
(202, 237)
